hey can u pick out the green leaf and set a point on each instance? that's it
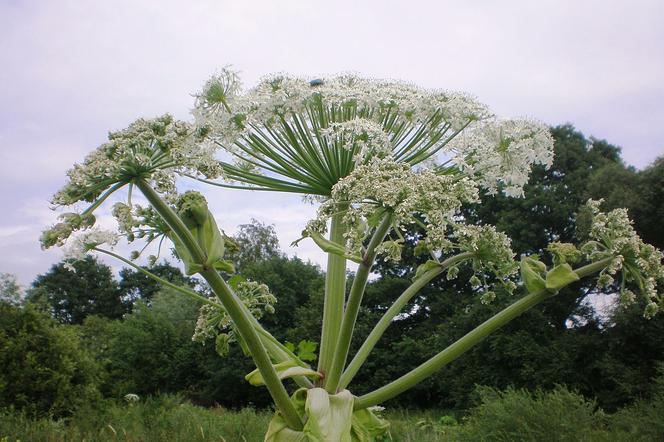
(235, 280)
(532, 272)
(285, 370)
(560, 276)
(423, 268)
(306, 350)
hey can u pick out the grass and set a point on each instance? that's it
(509, 415)
(168, 418)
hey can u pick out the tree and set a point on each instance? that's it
(45, 370)
(74, 290)
(135, 285)
(256, 241)
(10, 291)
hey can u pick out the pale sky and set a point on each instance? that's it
(70, 71)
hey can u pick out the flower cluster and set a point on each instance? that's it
(78, 246)
(58, 234)
(385, 185)
(361, 136)
(612, 236)
(155, 150)
(305, 135)
(500, 153)
(215, 323)
(491, 257)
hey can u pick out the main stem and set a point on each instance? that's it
(353, 305)
(464, 344)
(385, 321)
(335, 293)
(235, 308)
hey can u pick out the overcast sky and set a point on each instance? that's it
(70, 71)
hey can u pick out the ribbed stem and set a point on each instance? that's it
(233, 305)
(335, 293)
(398, 305)
(464, 344)
(353, 305)
(274, 348)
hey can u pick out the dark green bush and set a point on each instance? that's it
(43, 368)
(519, 415)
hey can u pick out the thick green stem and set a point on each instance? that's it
(233, 305)
(275, 348)
(467, 342)
(398, 305)
(335, 293)
(353, 305)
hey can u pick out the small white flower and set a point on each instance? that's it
(78, 246)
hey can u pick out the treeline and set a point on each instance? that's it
(82, 335)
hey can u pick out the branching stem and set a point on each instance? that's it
(398, 305)
(233, 305)
(467, 342)
(353, 305)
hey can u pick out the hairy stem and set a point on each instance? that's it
(467, 342)
(335, 293)
(398, 305)
(353, 305)
(233, 305)
(274, 348)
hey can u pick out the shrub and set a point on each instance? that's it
(558, 415)
(44, 368)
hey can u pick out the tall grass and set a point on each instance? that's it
(510, 415)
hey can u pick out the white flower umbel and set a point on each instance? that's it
(305, 135)
(78, 246)
(612, 235)
(214, 322)
(154, 149)
(386, 185)
(500, 154)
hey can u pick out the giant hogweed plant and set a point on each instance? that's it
(376, 156)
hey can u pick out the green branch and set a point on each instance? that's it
(276, 349)
(467, 342)
(233, 305)
(353, 305)
(385, 321)
(335, 293)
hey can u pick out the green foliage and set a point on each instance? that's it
(45, 371)
(558, 415)
(10, 291)
(135, 285)
(256, 241)
(156, 338)
(305, 350)
(642, 421)
(168, 418)
(71, 296)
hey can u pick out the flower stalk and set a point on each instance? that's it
(387, 318)
(231, 303)
(335, 294)
(353, 304)
(467, 342)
